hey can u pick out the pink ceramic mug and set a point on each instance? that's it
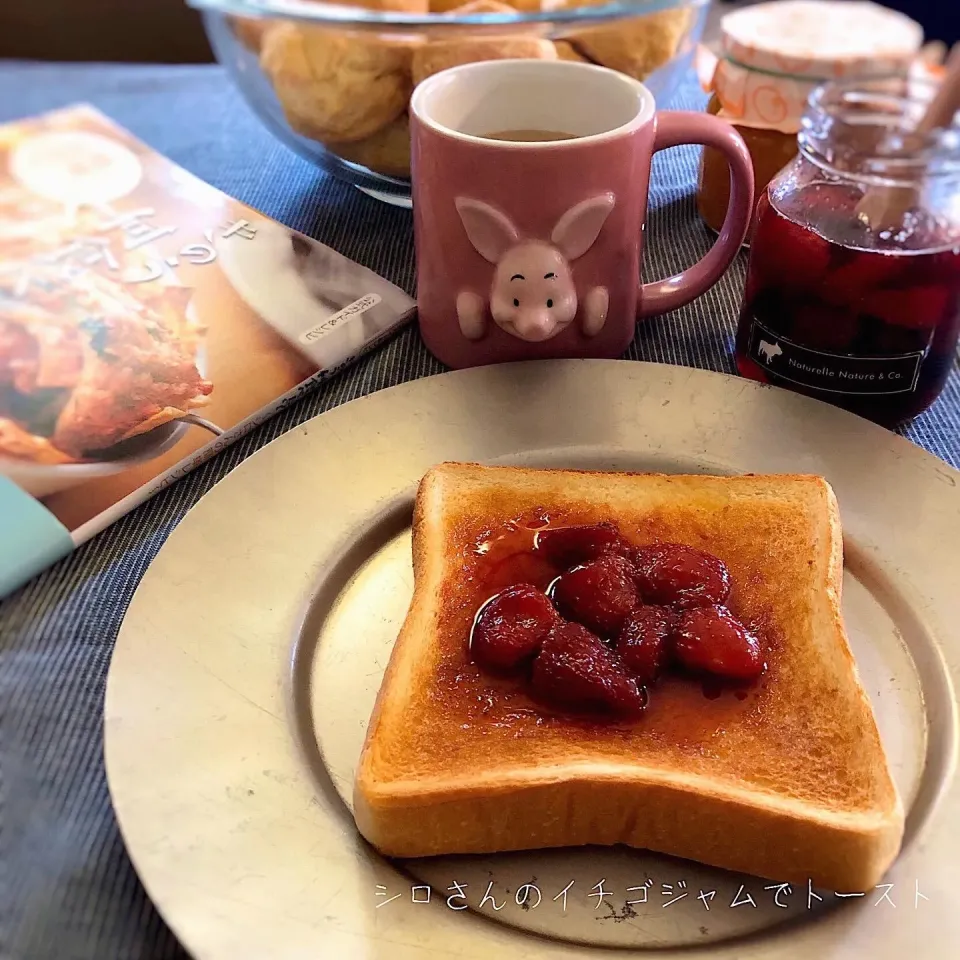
(531, 250)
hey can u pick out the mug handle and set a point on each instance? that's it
(677, 127)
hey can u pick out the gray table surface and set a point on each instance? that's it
(67, 887)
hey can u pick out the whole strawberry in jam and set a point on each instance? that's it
(568, 546)
(643, 642)
(599, 595)
(673, 574)
(510, 627)
(712, 640)
(575, 669)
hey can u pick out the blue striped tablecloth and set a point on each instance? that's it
(67, 888)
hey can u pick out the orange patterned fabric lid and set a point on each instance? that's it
(772, 55)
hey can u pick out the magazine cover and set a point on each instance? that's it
(146, 320)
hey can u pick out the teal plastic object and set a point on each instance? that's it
(31, 538)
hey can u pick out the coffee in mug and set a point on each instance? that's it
(530, 136)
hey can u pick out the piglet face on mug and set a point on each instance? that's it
(533, 295)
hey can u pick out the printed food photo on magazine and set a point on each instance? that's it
(146, 320)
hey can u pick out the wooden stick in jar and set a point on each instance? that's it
(885, 207)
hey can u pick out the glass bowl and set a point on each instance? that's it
(333, 82)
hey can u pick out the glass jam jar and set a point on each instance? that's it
(863, 315)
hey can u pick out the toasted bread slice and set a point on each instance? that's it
(790, 783)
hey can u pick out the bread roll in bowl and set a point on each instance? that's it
(387, 151)
(336, 85)
(635, 47)
(440, 55)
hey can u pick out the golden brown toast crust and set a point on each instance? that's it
(789, 783)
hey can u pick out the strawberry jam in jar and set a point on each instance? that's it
(853, 284)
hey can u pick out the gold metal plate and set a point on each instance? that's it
(248, 663)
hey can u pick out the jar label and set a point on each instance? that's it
(833, 372)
